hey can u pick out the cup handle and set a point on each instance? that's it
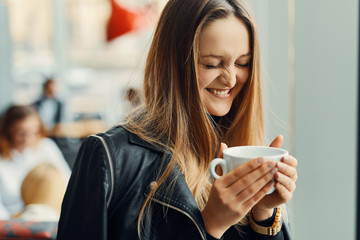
(214, 163)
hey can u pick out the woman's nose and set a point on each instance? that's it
(229, 77)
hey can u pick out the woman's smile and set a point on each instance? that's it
(221, 93)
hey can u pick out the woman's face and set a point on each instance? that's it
(223, 65)
(25, 132)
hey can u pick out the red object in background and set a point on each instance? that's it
(123, 20)
(31, 230)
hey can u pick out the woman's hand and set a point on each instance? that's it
(234, 194)
(285, 180)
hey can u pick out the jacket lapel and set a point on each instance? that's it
(174, 192)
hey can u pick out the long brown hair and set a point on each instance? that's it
(173, 116)
(13, 115)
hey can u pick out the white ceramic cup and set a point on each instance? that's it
(236, 156)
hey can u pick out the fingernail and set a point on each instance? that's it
(270, 164)
(280, 165)
(272, 182)
(285, 158)
(274, 171)
(260, 160)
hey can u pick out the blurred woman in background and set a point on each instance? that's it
(23, 146)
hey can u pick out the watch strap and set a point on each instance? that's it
(270, 231)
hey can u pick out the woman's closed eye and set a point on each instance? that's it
(211, 66)
(214, 66)
(242, 64)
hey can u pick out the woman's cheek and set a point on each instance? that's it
(242, 77)
(206, 77)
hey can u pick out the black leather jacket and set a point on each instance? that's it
(112, 175)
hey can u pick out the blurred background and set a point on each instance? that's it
(310, 56)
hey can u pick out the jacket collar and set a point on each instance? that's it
(135, 139)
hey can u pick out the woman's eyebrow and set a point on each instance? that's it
(218, 56)
(211, 56)
(246, 55)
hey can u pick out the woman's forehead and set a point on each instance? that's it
(224, 37)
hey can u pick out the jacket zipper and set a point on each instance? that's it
(111, 168)
(183, 212)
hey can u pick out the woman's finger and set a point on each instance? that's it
(255, 187)
(286, 181)
(277, 142)
(232, 176)
(290, 160)
(283, 192)
(249, 179)
(223, 146)
(248, 204)
(287, 170)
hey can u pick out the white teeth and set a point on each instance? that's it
(219, 92)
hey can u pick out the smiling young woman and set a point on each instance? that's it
(149, 178)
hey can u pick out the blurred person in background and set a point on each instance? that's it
(49, 106)
(42, 191)
(23, 145)
(133, 97)
(132, 100)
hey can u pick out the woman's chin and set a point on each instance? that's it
(219, 112)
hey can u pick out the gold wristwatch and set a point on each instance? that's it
(270, 231)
